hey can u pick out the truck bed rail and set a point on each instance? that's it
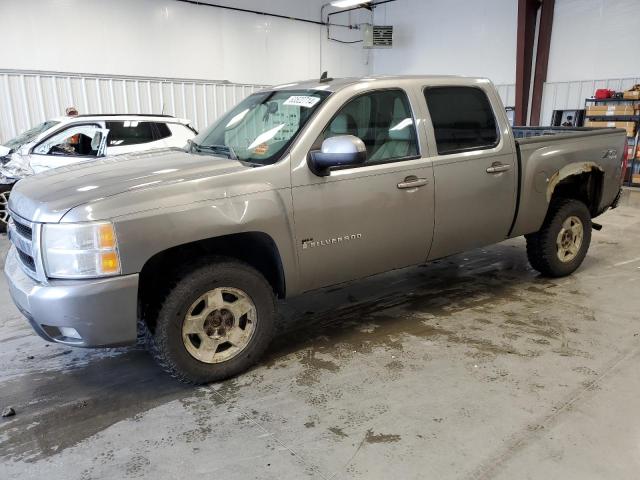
(526, 132)
(527, 135)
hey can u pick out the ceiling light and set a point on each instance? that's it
(348, 3)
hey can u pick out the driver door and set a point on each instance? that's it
(70, 145)
(374, 217)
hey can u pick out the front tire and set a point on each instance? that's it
(560, 246)
(214, 323)
(4, 207)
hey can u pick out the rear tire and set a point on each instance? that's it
(214, 323)
(560, 246)
(4, 206)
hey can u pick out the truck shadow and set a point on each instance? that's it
(397, 301)
(80, 402)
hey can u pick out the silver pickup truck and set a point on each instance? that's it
(298, 187)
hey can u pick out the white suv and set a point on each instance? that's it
(66, 140)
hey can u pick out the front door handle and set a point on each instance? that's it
(413, 182)
(497, 167)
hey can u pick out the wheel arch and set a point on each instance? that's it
(582, 181)
(163, 269)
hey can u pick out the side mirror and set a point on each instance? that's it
(339, 151)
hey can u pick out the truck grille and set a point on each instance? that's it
(25, 230)
(21, 236)
(27, 260)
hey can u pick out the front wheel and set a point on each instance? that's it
(4, 207)
(215, 323)
(560, 246)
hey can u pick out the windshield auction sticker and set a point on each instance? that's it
(301, 101)
(261, 149)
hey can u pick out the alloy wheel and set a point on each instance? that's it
(4, 208)
(569, 239)
(219, 325)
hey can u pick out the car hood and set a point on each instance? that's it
(48, 196)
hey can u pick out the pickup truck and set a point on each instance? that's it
(298, 187)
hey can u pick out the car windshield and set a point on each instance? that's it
(261, 127)
(29, 135)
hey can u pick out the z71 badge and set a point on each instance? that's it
(311, 243)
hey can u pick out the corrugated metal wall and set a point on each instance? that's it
(571, 95)
(27, 98)
(566, 95)
(507, 94)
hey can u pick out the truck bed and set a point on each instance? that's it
(547, 154)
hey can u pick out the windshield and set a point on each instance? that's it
(261, 127)
(29, 135)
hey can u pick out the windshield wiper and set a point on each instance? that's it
(225, 149)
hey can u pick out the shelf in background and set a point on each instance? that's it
(607, 100)
(614, 118)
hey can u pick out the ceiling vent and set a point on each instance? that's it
(378, 36)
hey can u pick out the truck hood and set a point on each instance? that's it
(48, 196)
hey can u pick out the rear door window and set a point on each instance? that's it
(129, 132)
(462, 119)
(163, 130)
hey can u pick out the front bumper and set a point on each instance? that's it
(103, 311)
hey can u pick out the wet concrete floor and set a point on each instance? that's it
(473, 367)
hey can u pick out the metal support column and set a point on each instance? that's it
(527, 13)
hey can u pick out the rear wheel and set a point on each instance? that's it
(4, 207)
(560, 246)
(215, 323)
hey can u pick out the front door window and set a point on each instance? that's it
(382, 120)
(76, 141)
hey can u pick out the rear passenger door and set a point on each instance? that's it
(127, 136)
(474, 168)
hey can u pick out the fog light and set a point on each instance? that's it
(69, 332)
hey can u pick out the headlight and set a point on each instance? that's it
(81, 250)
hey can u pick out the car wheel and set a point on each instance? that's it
(4, 207)
(214, 323)
(560, 246)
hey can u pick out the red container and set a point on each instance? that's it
(602, 93)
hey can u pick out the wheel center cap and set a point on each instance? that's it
(217, 322)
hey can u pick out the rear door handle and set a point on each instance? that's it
(413, 182)
(498, 167)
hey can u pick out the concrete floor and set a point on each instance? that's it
(473, 367)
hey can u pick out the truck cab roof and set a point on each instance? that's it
(336, 84)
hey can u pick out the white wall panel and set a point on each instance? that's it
(594, 39)
(27, 98)
(167, 38)
(507, 94)
(455, 37)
